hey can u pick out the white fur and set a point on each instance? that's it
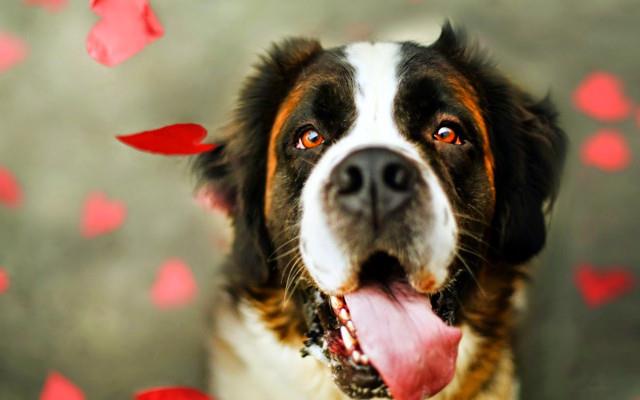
(375, 66)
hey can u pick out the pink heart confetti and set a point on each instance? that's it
(50, 5)
(126, 27)
(599, 287)
(101, 215)
(171, 393)
(607, 150)
(178, 139)
(174, 285)
(12, 51)
(601, 96)
(10, 192)
(57, 387)
(4, 280)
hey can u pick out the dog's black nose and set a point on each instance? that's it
(374, 182)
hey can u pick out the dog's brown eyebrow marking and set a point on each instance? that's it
(469, 99)
(286, 108)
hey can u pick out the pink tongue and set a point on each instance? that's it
(411, 347)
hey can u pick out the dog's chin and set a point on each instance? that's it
(333, 338)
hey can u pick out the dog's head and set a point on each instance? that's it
(367, 181)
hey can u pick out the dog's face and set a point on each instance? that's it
(367, 182)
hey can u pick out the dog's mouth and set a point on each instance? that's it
(384, 339)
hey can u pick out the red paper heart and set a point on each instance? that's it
(10, 193)
(174, 285)
(599, 287)
(57, 387)
(171, 393)
(178, 139)
(12, 51)
(4, 280)
(51, 5)
(600, 95)
(127, 26)
(607, 150)
(101, 215)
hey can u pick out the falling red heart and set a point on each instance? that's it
(174, 285)
(599, 287)
(101, 215)
(178, 139)
(127, 26)
(10, 193)
(51, 5)
(601, 96)
(607, 149)
(57, 387)
(4, 280)
(171, 393)
(12, 51)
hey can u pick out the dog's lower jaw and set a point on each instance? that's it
(249, 362)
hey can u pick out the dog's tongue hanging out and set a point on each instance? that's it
(411, 347)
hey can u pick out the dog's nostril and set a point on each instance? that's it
(397, 177)
(350, 180)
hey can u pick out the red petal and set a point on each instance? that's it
(171, 393)
(601, 96)
(599, 287)
(10, 193)
(127, 26)
(12, 51)
(57, 387)
(174, 285)
(178, 139)
(607, 150)
(51, 5)
(4, 280)
(101, 215)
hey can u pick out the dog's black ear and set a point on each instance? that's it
(237, 171)
(529, 151)
(528, 148)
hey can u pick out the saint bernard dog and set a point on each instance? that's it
(385, 199)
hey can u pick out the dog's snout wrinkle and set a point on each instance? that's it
(374, 182)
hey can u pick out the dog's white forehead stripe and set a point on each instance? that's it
(376, 84)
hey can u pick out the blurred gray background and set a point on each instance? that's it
(81, 307)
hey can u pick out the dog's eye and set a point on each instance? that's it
(309, 139)
(447, 135)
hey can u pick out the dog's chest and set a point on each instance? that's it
(248, 362)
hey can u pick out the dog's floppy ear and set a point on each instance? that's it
(237, 170)
(528, 148)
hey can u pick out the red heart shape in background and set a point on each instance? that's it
(4, 280)
(10, 193)
(602, 286)
(607, 150)
(127, 26)
(171, 393)
(57, 387)
(177, 139)
(600, 96)
(101, 215)
(174, 285)
(12, 51)
(51, 5)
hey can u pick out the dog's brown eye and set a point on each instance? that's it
(309, 139)
(447, 135)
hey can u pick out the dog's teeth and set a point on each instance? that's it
(357, 356)
(336, 302)
(343, 314)
(352, 328)
(347, 339)
(364, 359)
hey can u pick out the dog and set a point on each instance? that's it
(385, 199)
